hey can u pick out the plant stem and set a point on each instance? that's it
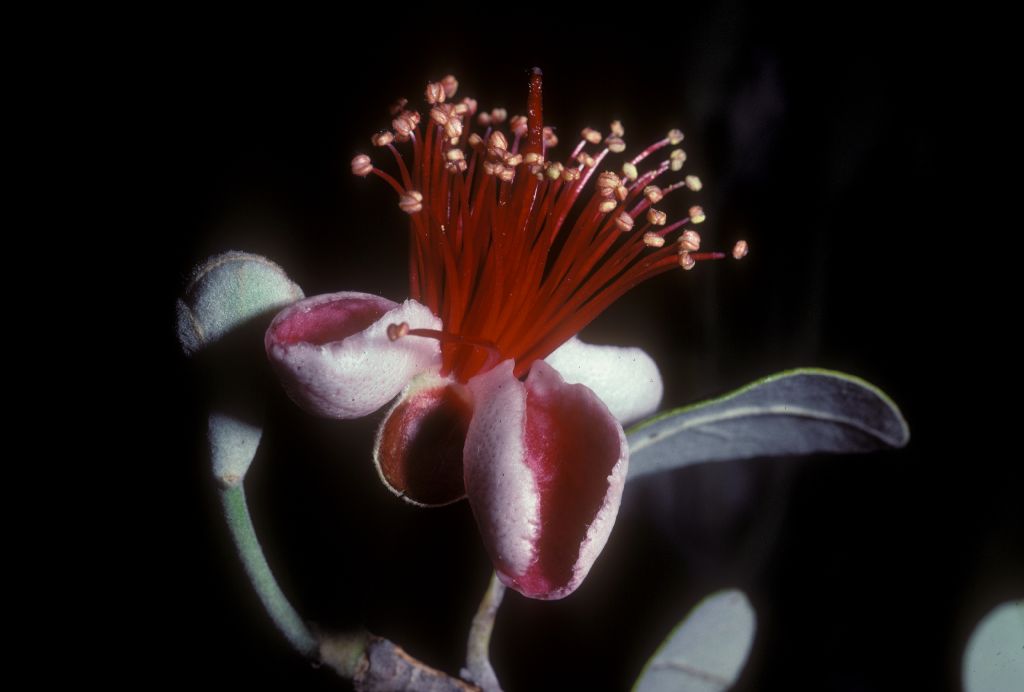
(281, 612)
(478, 664)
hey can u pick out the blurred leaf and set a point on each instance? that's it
(994, 659)
(706, 651)
(804, 411)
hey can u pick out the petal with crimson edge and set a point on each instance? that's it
(333, 355)
(418, 451)
(545, 465)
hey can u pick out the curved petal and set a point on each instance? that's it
(626, 379)
(418, 451)
(335, 359)
(545, 465)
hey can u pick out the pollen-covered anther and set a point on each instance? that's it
(693, 183)
(499, 115)
(624, 222)
(397, 331)
(534, 162)
(450, 84)
(607, 206)
(382, 139)
(554, 170)
(498, 141)
(403, 125)
(475, 141)
(630, 171)
(467, 106)
(570, 174)
(652, 239)
(674, 136)
(617, 129)
(606, 183)
(740, 249)
(439, 115)
(656, 217)
(507, 175)
(453, 129)
(615, 144)
(685, 261)
(362, 166)
(697, 214)
(491, 168)
(586, 159)
(676, 159)
(513, 160)
(435, 93)
(518, 125)
(621, 193)
(689, 241)
(397, 107)
(591, 135)
(653, 194)
(550, 138)
(411, 202)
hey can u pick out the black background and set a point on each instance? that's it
(826, 141)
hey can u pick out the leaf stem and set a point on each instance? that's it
(478, 664)
(281, 612)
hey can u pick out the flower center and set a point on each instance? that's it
(504, 246)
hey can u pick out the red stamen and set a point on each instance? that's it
(491, 250)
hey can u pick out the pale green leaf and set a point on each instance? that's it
(797, 412)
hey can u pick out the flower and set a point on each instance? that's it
(497, 400)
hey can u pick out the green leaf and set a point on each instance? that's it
(706, 651)
(804, 411)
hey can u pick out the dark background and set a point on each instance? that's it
(826, 141)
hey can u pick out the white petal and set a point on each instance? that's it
(625, 379)
(498, 482)
(359, 371)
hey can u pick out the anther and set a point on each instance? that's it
(675, 136)
(550, 138)
(585, 159)
(624, 222)
(617, 129)
(615, 144)
(656, 217)
(676, 159)
(697, 214)
(621, 193)
(518, 125)
(652, 239)
(513, 160)
(689, 241)
(397, 107)
(740, 249)
(467, 106)
(362, 166)
(411, 202)
(685, 261)
(629, 170)
(499, 115)
(606, 183)
(450, 84)
(397, 331)
(497, 140)
(554, 171)
(607, 205)
(653, 194)
(382, 139)
(435, 93)
(475, 141)
(591, 135)
(693, 182)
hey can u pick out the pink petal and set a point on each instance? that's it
(335, 359)
(626, 379)
(419, 445)
(545, 465)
